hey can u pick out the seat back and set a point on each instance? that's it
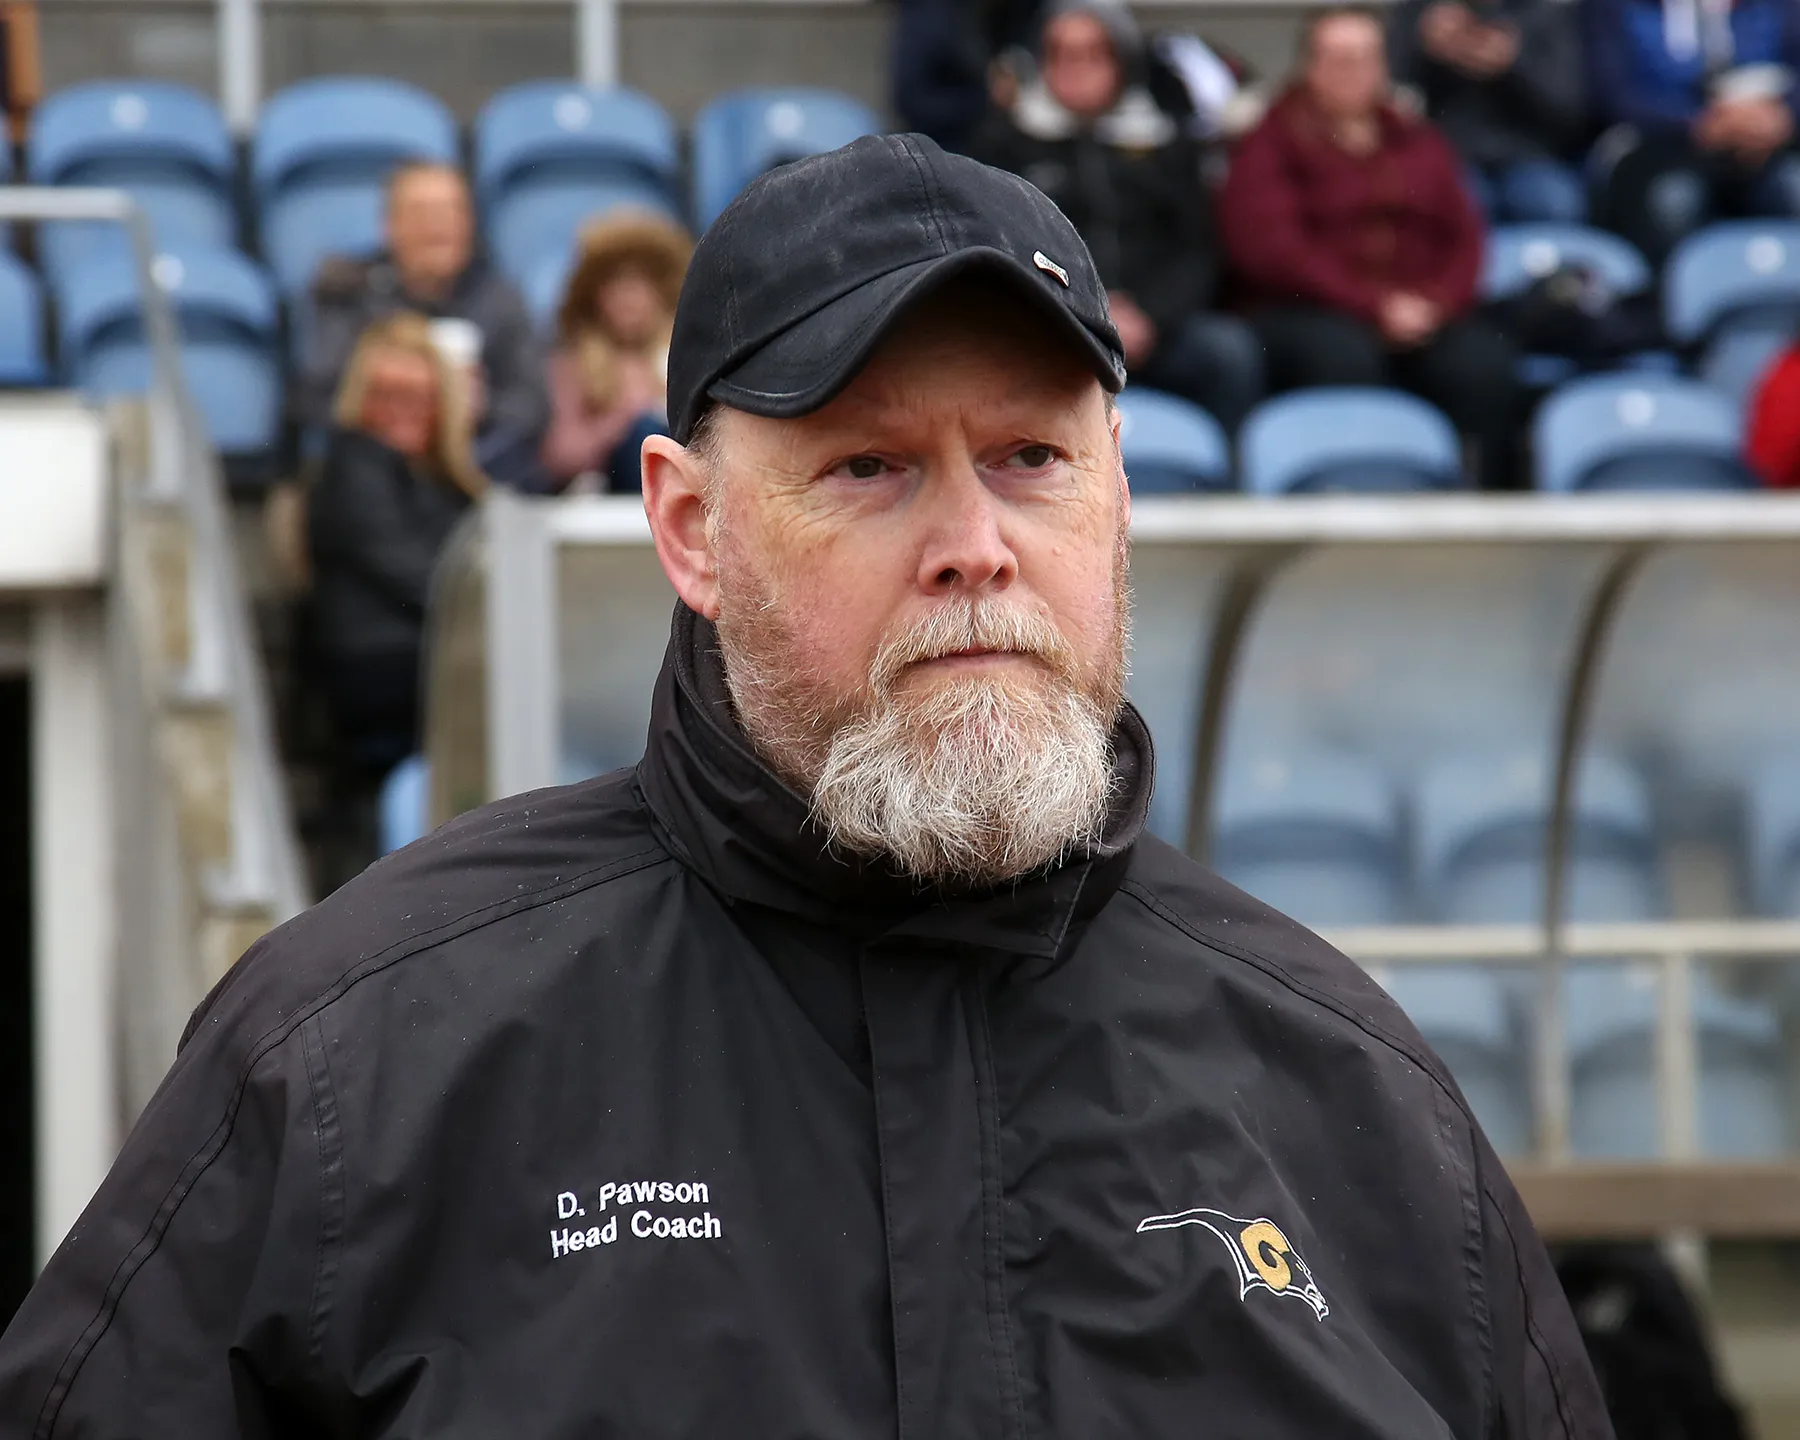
(743, 133)
(1730, 271)
(1170, 445)
(22, 358)
(1481, 823)
(346, 128)
(556, 128)
(1313, 832)
(1638, 431)
(227, 315)
(1519, 255)
(1735, 361)
(1772, 846)
(146, 125)
(1348, 438)
(545, 217)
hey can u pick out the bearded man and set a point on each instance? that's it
(855, 1066)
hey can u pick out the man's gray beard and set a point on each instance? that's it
(970, 781)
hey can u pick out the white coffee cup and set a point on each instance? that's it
(458, 341)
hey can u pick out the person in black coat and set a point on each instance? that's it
(397, 476)
(1088, 134)
(943, 61)
(1503, 80)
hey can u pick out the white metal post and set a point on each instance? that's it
(524, 690)
(240, 63)
(597, 41)
(76, 1062)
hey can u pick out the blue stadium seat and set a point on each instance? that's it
(22, 360)
(1773, 848)
(228, 317)
(1480, 834)
(1734, 363)
(1520, 255)
(743, 133)
(404, 800)
(1481, 824)
(1732, 292)
(1348, 438)
(546, 219)
(1171, 446)
(165, 145)
(550, 154)
(1734, 270)
(323, 151)
(1314, 833)
(1639, 432)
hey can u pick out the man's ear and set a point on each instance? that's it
(675, 485)
(1118, 424)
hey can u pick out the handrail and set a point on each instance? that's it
(1505, 944)
(223, 665)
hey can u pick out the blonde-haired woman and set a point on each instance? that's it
(397, 476)
(609, 374)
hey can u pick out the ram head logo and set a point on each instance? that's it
(1264, 1257)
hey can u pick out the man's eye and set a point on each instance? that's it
(1032, 457)
(865, 467)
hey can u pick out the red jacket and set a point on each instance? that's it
(1774, 443)
(1306, 222)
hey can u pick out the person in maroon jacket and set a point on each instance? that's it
(1357, 248)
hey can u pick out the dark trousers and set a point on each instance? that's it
(1213, 360)
(1468, 370)
(1665, 187)
(375, 703)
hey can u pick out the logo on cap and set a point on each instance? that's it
(1049, 266)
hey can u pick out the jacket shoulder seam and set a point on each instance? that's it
(331, 1188)
(214, 1145)
(1533, 1333)
(1275, 969)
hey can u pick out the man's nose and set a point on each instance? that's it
(965, 551)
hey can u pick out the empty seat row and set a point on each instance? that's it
(1322, 835)
(226, 312)
(1620, 431)
(546, 156)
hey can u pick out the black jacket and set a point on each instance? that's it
(1534, 111)
(375, 529)
(1131, 184)
(627, 1110)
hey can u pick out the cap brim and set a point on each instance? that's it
(811, 361)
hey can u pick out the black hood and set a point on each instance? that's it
(748, 834)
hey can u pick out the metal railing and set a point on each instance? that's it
(221, 666)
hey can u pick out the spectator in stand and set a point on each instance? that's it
(1503, 80)
(1087, 134)
(1700, 97)
(398, 473)
(21, 73)
(1358, 247)
(429, 266)
(948, 62)
(1773, 443)
(610, 371)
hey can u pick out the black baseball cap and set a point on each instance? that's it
(792, 287)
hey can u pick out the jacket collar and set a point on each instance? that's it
(730, 819)
(1135, 121)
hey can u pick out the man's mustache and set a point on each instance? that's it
(976, 625)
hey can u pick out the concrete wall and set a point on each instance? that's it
(463, 50)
